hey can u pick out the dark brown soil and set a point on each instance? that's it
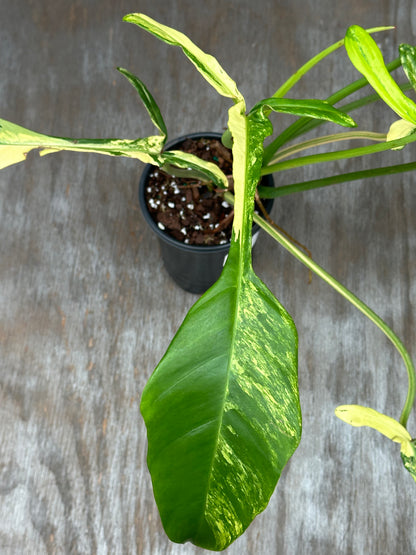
(186, 208)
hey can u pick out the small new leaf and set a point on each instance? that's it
(227, 139)
(399, 129)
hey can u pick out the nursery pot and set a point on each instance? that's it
(193, 267)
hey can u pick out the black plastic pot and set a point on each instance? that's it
(193, 267)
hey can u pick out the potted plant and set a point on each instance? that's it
(222, 407)
(191, 219)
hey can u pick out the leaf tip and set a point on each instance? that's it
(129, 17)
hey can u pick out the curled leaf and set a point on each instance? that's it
(357, 415)
(399, 129)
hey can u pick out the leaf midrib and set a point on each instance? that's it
(242, 268)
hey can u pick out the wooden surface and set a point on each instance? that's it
(86, 310)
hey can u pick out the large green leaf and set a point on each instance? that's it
(222, 407)
(222, 412)
(368, 60)
(317, 109)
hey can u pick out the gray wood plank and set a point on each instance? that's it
(86, 310)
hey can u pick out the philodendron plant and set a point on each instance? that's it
(222, 407)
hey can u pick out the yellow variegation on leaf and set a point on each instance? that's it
(356, 415)
(399, 129)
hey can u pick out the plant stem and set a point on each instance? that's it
(301, 125)
(337, 155)
(369, 99)
(326, 139)
(308, 124)
(293, 79)
(353, 299)
(274, 192)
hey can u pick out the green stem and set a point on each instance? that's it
(273, 192)
(304, 124)
(326, 139)
(338, 155)
(293, 79)
(366, 100)
(353, 299)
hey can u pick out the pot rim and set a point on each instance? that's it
(151, 222)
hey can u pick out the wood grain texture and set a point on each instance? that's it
(86, 310)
